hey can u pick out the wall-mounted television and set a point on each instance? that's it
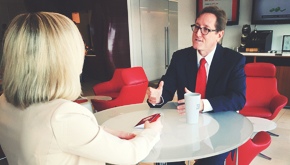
(270, 12)
(231, 7)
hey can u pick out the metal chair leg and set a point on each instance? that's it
(264, 156)
(272, 134)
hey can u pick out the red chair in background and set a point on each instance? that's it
(263, 99)
(248, 151)
(128, 86)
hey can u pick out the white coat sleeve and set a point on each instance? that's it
(77, 132)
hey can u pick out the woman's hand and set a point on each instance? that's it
(154, 125)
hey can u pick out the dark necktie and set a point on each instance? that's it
(200, 86)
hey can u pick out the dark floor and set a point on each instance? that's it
(87, 86)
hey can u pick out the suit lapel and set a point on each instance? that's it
(216, 68)
(191, 69)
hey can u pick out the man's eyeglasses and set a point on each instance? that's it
(203, 30)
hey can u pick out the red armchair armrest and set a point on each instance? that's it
(104, 87)
(276, 104)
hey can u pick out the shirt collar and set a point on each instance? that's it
(208, 58)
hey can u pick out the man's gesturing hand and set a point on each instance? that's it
(154, 95)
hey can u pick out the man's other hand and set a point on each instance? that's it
(181, 103)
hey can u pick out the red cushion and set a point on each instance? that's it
(256, 112)
(260, 91)
(260, 70)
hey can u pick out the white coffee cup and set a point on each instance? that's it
(192, 103)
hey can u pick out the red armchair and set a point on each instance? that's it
(128, 86)
(263, 99)
(248, 151)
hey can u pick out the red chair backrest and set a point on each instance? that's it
(134, 75)
(117, 80)
(261, 84)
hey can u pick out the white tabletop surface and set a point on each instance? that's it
(215, 133)
(261, 124)
(88, 104)
(284, 54)
(106, 98)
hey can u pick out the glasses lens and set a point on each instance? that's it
(192, 27)
(195, 28)
(203, 30)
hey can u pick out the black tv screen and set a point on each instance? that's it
(270, 12)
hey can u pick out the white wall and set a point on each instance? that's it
(232, 37)
(134, 33)
(186, 17)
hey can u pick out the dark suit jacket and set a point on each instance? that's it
(226, 85)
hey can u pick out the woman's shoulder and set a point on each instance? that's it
(67, 107)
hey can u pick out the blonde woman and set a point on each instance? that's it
(39, 124)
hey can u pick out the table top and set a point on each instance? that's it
(261, 124)
(284, 54)
(106, 98)
(215, 133)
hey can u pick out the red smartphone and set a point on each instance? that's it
(150, 118)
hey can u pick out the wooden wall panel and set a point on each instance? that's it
(283, 81)
(110, 37)
(108, 28)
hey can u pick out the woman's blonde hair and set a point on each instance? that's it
(42, 60)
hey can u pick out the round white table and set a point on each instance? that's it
(214, 134)
(106, 98)
(261, 124)
(88, 104)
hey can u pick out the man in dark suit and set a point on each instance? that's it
(225, 83)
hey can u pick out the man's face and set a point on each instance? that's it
(206, 43)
